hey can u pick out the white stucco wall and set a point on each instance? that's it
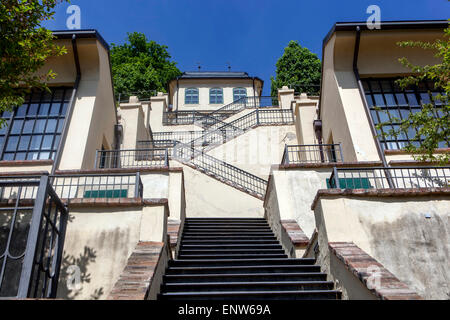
(98, 243)
(397, 233)
(256, 150)
(208, 197)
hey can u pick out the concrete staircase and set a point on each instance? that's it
(239, 259)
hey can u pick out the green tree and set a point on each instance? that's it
(298, 68)
(141, 65)
(433, 121)
(24, 48)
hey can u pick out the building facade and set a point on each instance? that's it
(297, 194)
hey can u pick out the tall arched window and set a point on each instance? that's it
(239, 93)
(215, 95)
(191, 96)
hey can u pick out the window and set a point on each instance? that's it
(239, 93)
(33, 130)
(215, 95)
(395, 102)
(191, 96)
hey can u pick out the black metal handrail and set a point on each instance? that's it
(216, 117)
(35, 229)
(131, 158)
(220, 169)
(312, 153)
(253, 119)
(401, 177)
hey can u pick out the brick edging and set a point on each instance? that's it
(13, 163)
(173, 230)
(136, 278)
(403, 192)
(119, 170)
(295, 233)
(368, 270)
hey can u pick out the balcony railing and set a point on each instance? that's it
(312, 153)
(32, 236)
(131, 158)
(391, 177)
(92, 187)
(208, 119)
(219, 169)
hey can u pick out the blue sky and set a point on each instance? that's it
(249, 34)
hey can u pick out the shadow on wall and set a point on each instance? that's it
(74, 274)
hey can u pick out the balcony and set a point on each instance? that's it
(389, 178)
(312, 153)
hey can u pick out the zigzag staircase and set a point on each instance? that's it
(189, 147)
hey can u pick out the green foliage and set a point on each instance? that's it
(141, 65)
(24, 48)
(297, 67)
(431, 126)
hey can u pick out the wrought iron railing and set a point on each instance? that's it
(216, 117)
(92, 187)
(400, 177)
(235, 128)
(132, 158)
(219, 169)
(312, 153)
(32, 234)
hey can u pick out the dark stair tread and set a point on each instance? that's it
(258, 267)
(249, 283)
(288, 292)
(247, 276)
(302, 261)
(230, 256)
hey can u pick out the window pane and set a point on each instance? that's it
(8, 156)
(425, 98)
(412, 100)
(43, 110)
(47, 143)
(64, 108)
(51, 125)
(17, 127)
(32, 155)
(12, 143)
(40, 126)
(56, 143)
(369, 100)
(35, 143)
(379, 102)
(28, 126)
(20, 155)
(3, 128)
(401, 98)
(60, 125)
(55, 108)
(390, 99)
(21, 111)
(33, 109)
(44, 156)
(24, 141)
